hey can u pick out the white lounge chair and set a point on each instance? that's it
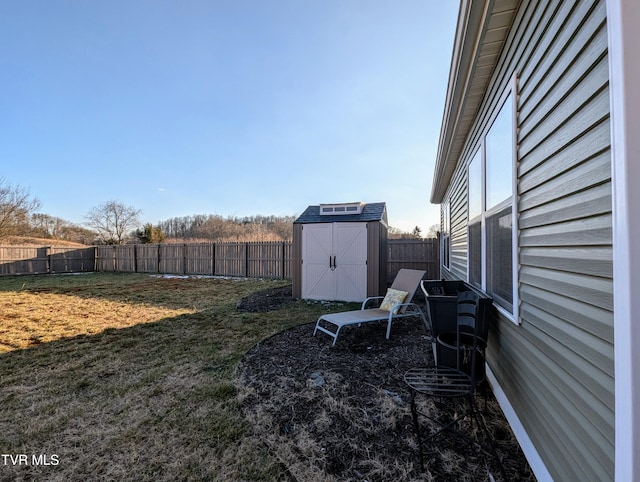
(394, 305)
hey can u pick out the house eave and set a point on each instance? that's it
(481, 32)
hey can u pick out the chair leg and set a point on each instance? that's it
(475, 413)
(332, 334)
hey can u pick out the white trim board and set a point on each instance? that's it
(623, 18)
(529, 450)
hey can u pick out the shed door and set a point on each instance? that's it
(350, 245)
(317, 250)
(334, 261)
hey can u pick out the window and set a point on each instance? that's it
(475, 253)
(499, 163)
(491, 225)
(499, 258)
(499, 156)
(475, 220)
(475, 187)
(333, 209)
(446, 235)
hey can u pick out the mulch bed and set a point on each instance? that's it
(343, 412)
(265, 300)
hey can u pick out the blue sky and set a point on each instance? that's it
(224, 107)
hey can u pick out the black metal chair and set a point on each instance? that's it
(470, 338)
(453, 381)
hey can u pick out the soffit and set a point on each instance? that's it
(481, 32)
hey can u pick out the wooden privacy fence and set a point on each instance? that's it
(254, 260)
(35, 260)
(415, 254)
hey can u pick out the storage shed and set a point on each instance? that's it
(340, 252)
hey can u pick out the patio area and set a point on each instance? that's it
(343, 412)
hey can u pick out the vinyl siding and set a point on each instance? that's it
(556, 367)
(458, 200)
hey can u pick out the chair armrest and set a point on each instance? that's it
(408, 305)
(424, 290)
(364, 303)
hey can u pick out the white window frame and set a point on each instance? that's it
(623, 18)
(341, 209)
(514, 316)
(479, 218)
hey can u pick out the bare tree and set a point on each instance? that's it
(77, 234)
(16, 204)
(44, 225)
(48, 226)
(433, 231)
(113, 220)
(214, 227)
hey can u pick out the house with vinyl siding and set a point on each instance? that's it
(537, 174)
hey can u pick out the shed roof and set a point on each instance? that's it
(370, 212)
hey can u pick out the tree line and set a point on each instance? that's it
(217, 228)
(116, 223)
(18, 217)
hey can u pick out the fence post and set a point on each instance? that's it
(184, 258)
(47, 253)
(246, 259)
(437, 254)
(283, 264)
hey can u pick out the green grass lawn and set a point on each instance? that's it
(130, 377)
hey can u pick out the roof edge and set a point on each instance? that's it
(471, 18)
(374, 211)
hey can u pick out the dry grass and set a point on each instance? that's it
(134, 377)
(130, 377)
(343, 412)
(38, 242)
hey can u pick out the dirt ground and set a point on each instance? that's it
(343, 412)
(265, 300)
